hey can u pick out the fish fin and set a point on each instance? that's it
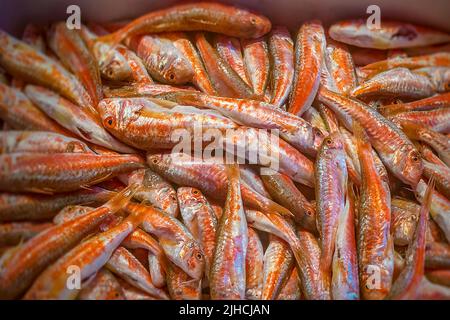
(96, 181)
(121, 198)
(46, 191)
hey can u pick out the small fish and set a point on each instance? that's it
(104, 286)
(257, 64)
(200, 16)
(431, 103)
(13, 233)
(331, 186)
(398, 83)
(254, 261)
(23, 61)
(40, 142)
(143, 89)
(389, 35)
(162, 59)
(227, 278)
(309, 51)
(76, 120)
(437, 120)
(281, 54)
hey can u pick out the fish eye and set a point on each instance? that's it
(415, 157)
(253, 21)
(328, 141)
(155, 160)
(199, 256)
(308, 213)
(171, 76)
(109, 121)
(195, 192)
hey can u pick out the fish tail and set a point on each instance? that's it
(272, 206)
(121, 198)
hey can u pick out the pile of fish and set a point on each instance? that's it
(97, 202)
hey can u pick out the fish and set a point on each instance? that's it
(441, 176)
(199, 16)
(431, 103)
(20, 113)
(181, 286)
(199, 217)
(281, 57)
(71, 212)
(61, 172)
(71, 50)
(436, 120)
(153, 190)
(396, 151)
(139, 72)
(227, 277)
(24, 61)
(298, 132)
(407, 283)
(35, 255)
(399, 83)
(146, 125)
(13, 233)
(83, 124)
(254, 261)
(208, 177)
(439, 77)
(104, 286)
(143, 89)
(405, 215)
(278, 265)
(13, 141)
(374, 240)
(163, 60)
(225, 80)
(331, 185)
(389, 34)
(291, 290)
(439, 277)
(310, 47)
(230, 50)
(339, 62)
(257, 64)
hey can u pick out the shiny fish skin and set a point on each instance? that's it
(162, 59)
(70, 116)
(331, 185)
(395, 150)
(340, 64)
(143, 89)
(153, 189)
(437, 119)
(25, 62)
(281, 55)
(441, 176)
(146, 125)
(404, 220)
(399, 83)
(68, 45)
(17, 111)
(138, 71)
(439, 77)
(61, 172)
(254, 261)
(42, 250)
(28, 206)
(228, 270)
(291, 290)
(434, 102)
(181, 286)
(309, 52)
(230, 50)
(104, 286)
(14, 233)
(257, 64)
(71, 212)
(200, 16)
(390, 34)
(40, 142)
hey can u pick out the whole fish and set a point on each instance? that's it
(439, 77)
(437, 120)
(257, 64)
(144, 124)
(17, 111)
(199, 217)
(309, 51)
(298, 132)
(177, 242)
(399, 83)
(281, 55)
(13, 233)
(395, 150)
(153, 189)
(23, 61)
(207, 176)
(254, 261)
(375, 243)
(143, 89)
(45, 248)
(126, 266)
(331, 186)
(409, 279)
(28, 206)
(224, 79)
(278, 265)
(81, 123)
(199, 16)
(227, 277)
(162, 59)
(70, 48)
(60, 172)
(230, 50)
(434, 102)
(389, 35)
(104, 286)
(40, 142)
(283, 191)
(181, 286)
(404, 220)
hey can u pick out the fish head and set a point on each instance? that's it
(117, 113)
(193, 259)
(179, 71)
(191, 197)
(159, 163)
(333, 142)
(410, 165)
(317, 137)
(113, 65)
(253, 24)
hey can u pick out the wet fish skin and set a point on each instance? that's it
(13, 233)
(254, 261)
(104, 286)
(439, 77)
(339, 62)
(437, 119)
(434, 102)
(257, 64)
(405, 215)
(181, 286)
